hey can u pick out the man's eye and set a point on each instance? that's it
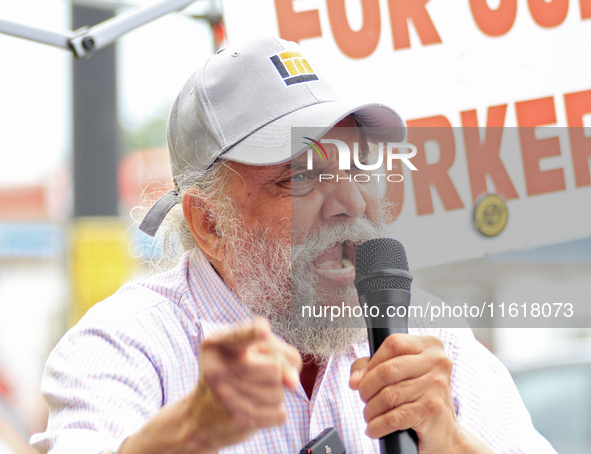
(299, 178)
(356, 169)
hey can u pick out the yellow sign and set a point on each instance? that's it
(100, 264)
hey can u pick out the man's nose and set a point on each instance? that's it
(343, 198)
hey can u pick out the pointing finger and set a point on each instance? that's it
(234, 342)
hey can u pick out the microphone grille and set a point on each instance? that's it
(380, 254)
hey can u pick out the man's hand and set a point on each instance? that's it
(241, 385)
(406, 384)
(240, 390)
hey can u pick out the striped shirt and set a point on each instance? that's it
(139, 350)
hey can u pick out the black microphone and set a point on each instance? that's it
(383, 285)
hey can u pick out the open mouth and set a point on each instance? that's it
(337, 261)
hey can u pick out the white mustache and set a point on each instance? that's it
(354, 232)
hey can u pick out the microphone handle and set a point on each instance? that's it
(380, 324)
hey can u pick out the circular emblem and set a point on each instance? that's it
(490, 215)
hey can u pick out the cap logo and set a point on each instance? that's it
(293, 68)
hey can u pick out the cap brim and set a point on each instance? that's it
(272, 144)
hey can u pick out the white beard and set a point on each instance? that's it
(275, 280)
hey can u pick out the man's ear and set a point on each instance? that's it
(198, 218)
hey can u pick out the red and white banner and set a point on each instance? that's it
(513, 66)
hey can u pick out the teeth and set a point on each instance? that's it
(326, 265)
(347, 267)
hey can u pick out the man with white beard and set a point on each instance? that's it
(210, 357)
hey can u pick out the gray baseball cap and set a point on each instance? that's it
(241, 105)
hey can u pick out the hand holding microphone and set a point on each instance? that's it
(406, 383)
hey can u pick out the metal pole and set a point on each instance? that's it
(96, 128)
(105, 33)
(36, 34)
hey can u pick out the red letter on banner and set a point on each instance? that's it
(483, 158)
(494, 22)
(577, 105)
(585, 9)
(361, 43)
(438, 129)
(295, 26)
(530, 114)
(548, 14)
(400, 12)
